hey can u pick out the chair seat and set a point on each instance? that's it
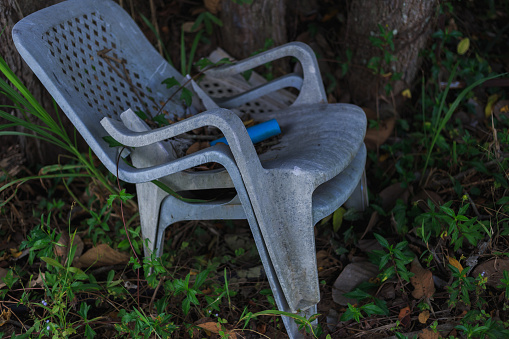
(305, 129)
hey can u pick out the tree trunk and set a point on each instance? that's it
(246, 28)
(410, 21)
(11, 11)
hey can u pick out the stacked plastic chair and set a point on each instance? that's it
(100, 68)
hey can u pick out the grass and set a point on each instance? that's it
(434, 240)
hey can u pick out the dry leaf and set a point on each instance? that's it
(455, 263)
(3, 273)
(15, 253)
(501, 109)
(187, 27)
(36, 282)
(423, 317)
(493, 270)
(213, 6)
(351, 276)
(5, 316)
(78, 242)
(375, 137)
(372, 222)
(261, 328)
(102, 255)
(404, 316)
(390, 194)
(213, 327)
(429, 334)
(325, 261)
(197, 146)
(422, 281)
(61, 248)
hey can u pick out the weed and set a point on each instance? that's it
(380, 65)
(392, 260)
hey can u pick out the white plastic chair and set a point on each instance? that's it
(96, 63)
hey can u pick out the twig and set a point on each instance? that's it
(479, 182)
(125, 76)
(472, 203)
(154, 295)
(463, 174)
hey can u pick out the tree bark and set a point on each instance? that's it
(411, 23)
(246, 28)
(11, 11)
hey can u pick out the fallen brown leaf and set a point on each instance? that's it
(61, 248)
(501, 109)
(422, 281)
(102, 255)
(214, 327)
(429, 334)
(423, 317)
(3, 273)
(213, 6)
(392, 193)
(197, 146)
(375, 137)
(37, 282)
(5, 316)
(404, 316)
(351, 276)
(493, 270)
(325, 260)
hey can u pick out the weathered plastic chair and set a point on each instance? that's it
(96, 63)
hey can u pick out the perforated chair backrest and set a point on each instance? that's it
(63, 46)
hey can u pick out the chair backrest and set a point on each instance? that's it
(95, 62)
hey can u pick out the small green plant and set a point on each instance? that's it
(505, 284)
(380, 65)
(392, 260)
(357, 312)
(444, 222)
(180, 286)
(461, 286)
(136, 324)
(479, 324)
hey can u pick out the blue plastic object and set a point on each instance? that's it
(258, 133)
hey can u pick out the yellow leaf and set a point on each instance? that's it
(406, 93)
(455, 263)
(492, 99)
(463, 46)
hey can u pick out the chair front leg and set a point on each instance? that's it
(150, 198)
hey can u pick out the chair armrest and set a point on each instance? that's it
(289, 80)
(225, 120)
(312, 90)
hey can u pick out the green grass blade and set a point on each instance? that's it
(451, 110)
(193, 51)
